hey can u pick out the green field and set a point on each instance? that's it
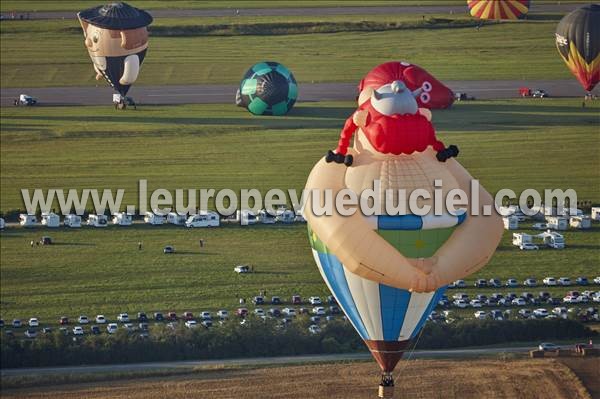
(515, 144)
(51, 53)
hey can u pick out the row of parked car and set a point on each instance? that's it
(530, 282)
(589, 314)
(462, 300)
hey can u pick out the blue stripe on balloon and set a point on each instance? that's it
(402, 222)
(461, 217)
(393, 303)
(434, 300)
(334, 272)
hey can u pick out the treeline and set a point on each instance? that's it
(259, 338)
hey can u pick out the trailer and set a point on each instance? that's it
(97, 220)
(596, 214)
(246, 217)
(176, 218)
(153, 218)
(510, 222)
(283, 215)
(580, 222)
(50, 219)
(122, 219)
(265, 217)
(27, 220)
(72, 220)
(557, 222)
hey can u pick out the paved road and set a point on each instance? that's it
(453, 353)
(309, 92)
(560, 7)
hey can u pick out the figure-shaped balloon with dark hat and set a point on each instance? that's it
(389, 268)
(116, 37)
(393, 113)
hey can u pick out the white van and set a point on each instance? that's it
(203, 219)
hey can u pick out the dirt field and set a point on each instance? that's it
(588, 371)
(534, 378)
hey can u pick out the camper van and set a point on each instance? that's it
(176, 218)
(50, 219)
(27, 220)
(284, 215)
(122, 219)
(510, 222)
(246, 217)
(153, 218)
(557, 222)
(596, 214)
(553, 239)
(2, 224)
(580, 222)
(72, 220)
(97, 220)
(520, 239)
(203, 219)
(265, 217)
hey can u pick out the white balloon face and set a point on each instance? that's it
(394, 99)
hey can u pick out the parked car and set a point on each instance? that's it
(460, 284)
(34, 322)
(100, 319)
(564, 281)
(303, 311)
(527, 246)
(143, 326)
(78, 330)
(571, 299)
(206, 323)
(16, 323)
(460, 303)
(496, 314)
(158, 316)
(539, 226)
(169, 249)
(290, 312)
(314, 300)
(123, 317)
(314, 329)
(530, 282)
(559, 311)
(549, 281)
(242, 269)
(334, 309)
(544, 295)
(475, 303)
(540, 313)
(481, 314)
(481, 297)
(480, 283)
(319, 311)
(111, 328)
(525, 313)
(187, 316)
(258, 300)
(331, 300)
(274, 312)
(191, 324)
(142, 317)
(259, 312)
(597, 280)
(95, 330)
(512, 282)
(172, 316)
(460, 295)
(30, 333)
(223, 314)
(64, 320)
(205, 315)
(315, 319)
(519, 302)
(296, 300)
(47, 330)
(582, 281)
(275, 300)
(547, 346)
(83, 319)
(241, 312)
(494, 282)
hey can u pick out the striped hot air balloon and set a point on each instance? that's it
(387, 318)
(578, 42)
(498, 9)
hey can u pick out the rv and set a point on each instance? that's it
(203, 219)
(285, 215)
(2, 223)
(50, 219)
(265, 217)
(580, 222)
(553, 239)
(122, 219)
(510, 222)
(176, 218)
(246, 217)
(521, 238)
(557, 222)
(27, 220)
(97, 220)
(72, 220)
(596, 213)
(153, 218)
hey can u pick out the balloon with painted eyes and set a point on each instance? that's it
(389, 270)
(116, 37)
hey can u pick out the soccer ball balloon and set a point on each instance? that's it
(268, 88)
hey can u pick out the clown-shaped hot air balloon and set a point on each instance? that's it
(116, 37)
(578, 42)
(388, 270)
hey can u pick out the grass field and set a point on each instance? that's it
(51, 53)
(515, 144)
(415, 379)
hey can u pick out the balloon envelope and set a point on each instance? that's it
(267, 88)
(498, 9)
(578, 43)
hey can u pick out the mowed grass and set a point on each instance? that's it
(513, 144)
(51, 53)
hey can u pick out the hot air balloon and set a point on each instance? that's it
(267, 88)
(116, 37)
(388, 270)
(578, 42)
(498, 9)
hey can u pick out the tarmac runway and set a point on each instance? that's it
(308, 92)
(559, 7)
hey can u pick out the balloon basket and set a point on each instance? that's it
(386, 387)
